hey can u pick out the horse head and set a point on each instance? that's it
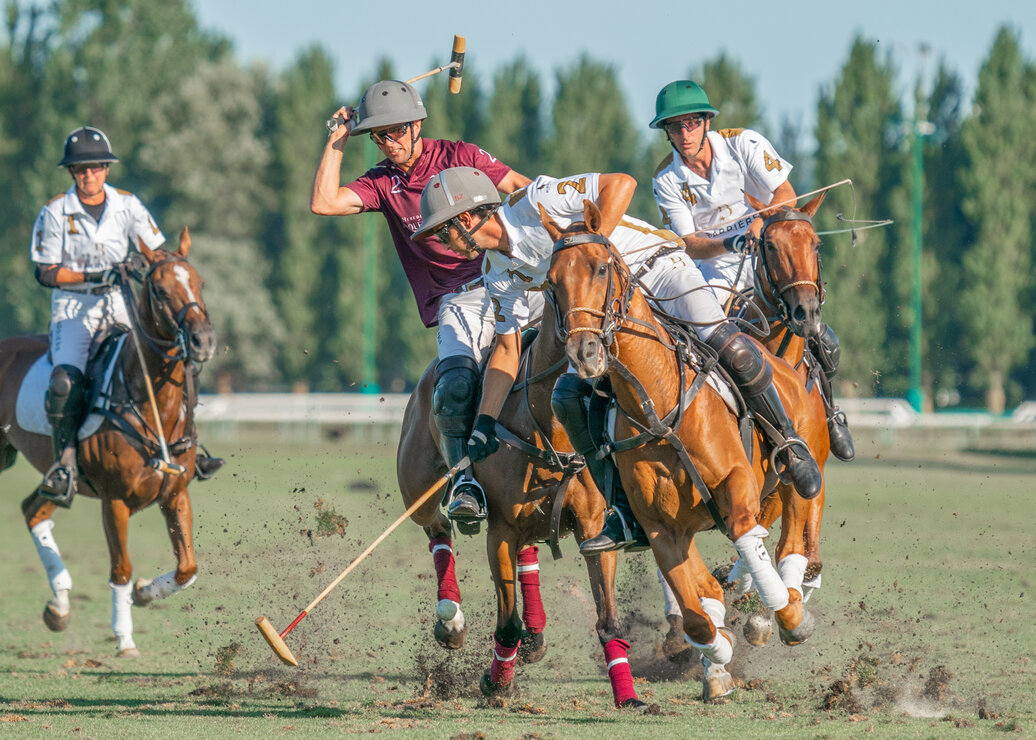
(787, 269)
(171, 307)
(592, 288)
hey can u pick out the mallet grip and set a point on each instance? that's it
(457, 63)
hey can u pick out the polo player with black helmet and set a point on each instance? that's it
(78, 240)
(447, 287)
(461, 208)
(700, 189)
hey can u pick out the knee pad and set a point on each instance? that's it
(827, 350)
(455, 397)
(65, 392)
(742, 359)
(568, 401)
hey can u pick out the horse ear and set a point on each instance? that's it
(811, 208)
(549, 224)
(185, 243)
(758, 205)
(592, 216)
(151, 255)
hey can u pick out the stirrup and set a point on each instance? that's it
(59, 484)
(467, 502)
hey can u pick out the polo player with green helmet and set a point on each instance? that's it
(700, 190)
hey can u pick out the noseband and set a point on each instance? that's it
(778, 291)
(615, 309)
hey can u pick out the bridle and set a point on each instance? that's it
(776, 290)
(171, 324)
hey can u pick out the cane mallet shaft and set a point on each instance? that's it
(276, 641)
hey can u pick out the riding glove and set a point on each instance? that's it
(483, 441)
(104, 277)
(735, 244)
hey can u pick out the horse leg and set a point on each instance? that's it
(179, 521)
(601, 570)
(674, 647)
(812, 578)
(737, 578)
(450, 626)
(497, 681)
(37, 512)
(115, 515)
(533, 646)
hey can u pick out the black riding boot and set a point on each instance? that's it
(64, 404)
(746, 365)
(206, 466)
(841, 439)
(621, 530)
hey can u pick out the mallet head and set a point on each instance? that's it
(457, 63)
(276, 641)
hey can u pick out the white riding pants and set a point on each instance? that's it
(76, 318)
(676, 276)
(467, 325)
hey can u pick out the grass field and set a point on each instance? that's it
(924, 619)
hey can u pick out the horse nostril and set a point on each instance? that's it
(799, 314)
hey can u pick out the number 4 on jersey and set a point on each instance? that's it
(771, 163)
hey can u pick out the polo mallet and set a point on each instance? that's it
(164, 465)
(276, 641)
(456, 67)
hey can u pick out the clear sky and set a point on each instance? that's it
(791, 50)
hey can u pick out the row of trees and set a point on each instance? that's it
(230, 151)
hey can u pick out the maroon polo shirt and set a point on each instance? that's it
(433, 271)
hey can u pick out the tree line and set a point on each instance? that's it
(229, 150)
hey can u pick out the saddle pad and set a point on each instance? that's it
(718, 384)
(30, 411)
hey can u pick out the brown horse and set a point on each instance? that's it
(788, 287)
(117, 462)
(522, 481)
(683, 478)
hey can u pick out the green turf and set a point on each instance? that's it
(924, 617)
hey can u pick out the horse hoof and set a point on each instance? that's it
(55, 621)
(717, 684)
(802, 632)
(140, 593)
(758, 630)
(636, 705)
(675, 648)
(450, 639)
(532, 649)
(496, 695)
(128, 653)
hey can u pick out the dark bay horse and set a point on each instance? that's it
(522, 482)
(612, 330)
(117, 462)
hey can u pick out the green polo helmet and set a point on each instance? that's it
(388, 103)
(679, 98)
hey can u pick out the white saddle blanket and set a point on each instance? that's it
(30, 411)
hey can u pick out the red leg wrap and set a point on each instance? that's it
(533, 615)
(615, 652)
(442, 555)
(502, 670)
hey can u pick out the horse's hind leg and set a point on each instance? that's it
(37, 512)
(502, 552)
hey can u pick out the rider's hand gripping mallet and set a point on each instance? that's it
(266, 629)
(456, 67)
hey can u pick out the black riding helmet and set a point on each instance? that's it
(87, 144)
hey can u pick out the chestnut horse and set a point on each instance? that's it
(117, 462)
(522, 480)
(683, 478)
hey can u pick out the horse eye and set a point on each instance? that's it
(602, 269)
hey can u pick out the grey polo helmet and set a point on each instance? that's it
(452, 192)
(388, 103)
(87, 144)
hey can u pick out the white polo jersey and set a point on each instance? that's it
(743, 161)
(509, 277)
(65, 234)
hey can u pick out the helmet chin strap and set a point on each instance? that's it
(466, 235)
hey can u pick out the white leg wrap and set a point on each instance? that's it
(740, 578)
(715, 610)
(718, 651)
(50, 556)
(671, 606)
(165, 585)
(450, 614)
(122, 619)
(792, 569)
(768, 583)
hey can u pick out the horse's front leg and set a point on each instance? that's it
(502, 550)
(37, 511)
(601, 570)
(115, 515)
(795, 622)
(179, 522)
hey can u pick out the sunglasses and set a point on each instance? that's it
(395, 133)
(443, 232)
(82, 169)
(686, 124)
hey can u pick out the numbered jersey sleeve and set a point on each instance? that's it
(47, 246)
(765, 169)
(673, 205)
(141, 225)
